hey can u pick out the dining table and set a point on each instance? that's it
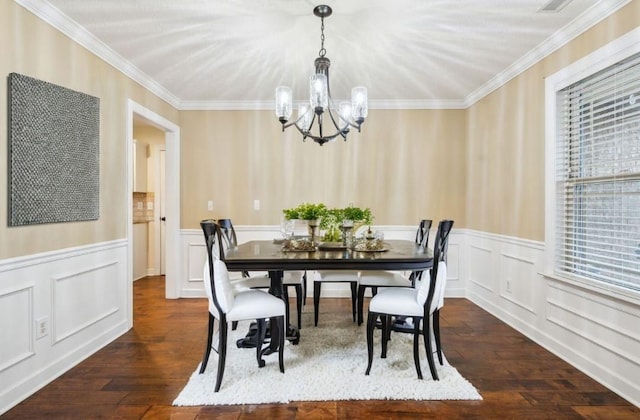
(272, 256)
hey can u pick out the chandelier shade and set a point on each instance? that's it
(320, 105)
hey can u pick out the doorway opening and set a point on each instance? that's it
(171, 237)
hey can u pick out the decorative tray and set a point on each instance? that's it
(298, 245)
(371, 246)
(327, 246)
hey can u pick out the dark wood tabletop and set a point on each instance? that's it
(269, 256)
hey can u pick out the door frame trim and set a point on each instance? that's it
(172, 192)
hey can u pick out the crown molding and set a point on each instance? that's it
(51, 15)
(268, 105)
(54, 17)
(586, 20)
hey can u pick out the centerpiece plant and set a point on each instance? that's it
(306, 211)
(330, 220)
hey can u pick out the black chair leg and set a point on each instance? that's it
(316, 301)
(282, 332)
(285, 297)
(386, 332)
(299, 298)
(416, 345)
(371, 322)
(260, 335)
(436, 334)
(354, 298)
(222, 351)
(304, 289)
(207, 351)
(361, 290)
(426, 333)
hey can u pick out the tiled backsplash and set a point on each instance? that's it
(143, 210)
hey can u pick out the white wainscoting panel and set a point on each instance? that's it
(79, 295)
(16, 324)
(90, 291)
(595, 332)
(481, 271)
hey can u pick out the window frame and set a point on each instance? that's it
(606, 56)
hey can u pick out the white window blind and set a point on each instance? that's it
(598, 177)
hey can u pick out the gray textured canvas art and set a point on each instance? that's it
(54, 153)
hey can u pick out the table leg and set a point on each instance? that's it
(276, 288)
(293, 335)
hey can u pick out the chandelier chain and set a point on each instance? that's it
(322, 51)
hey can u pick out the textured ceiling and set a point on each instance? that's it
(230, 54)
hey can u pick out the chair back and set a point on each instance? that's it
(442, 238)
(431, 291)
(422, 234)
(216, 278)
(228, 234)
(422, 239)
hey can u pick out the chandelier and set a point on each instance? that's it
(320, 106)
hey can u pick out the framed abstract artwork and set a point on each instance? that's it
(54, 153)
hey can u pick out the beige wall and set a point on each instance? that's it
(482, 167)
(33, 48)
(405, 165)
(506, 161)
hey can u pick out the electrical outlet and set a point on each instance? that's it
(210, 205)
(42, 327)
(256, 204)
(508, 286)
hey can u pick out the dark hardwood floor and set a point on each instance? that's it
(139, 375)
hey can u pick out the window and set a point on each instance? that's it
(596, 177)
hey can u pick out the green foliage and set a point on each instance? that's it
(357, 215)
(330, 219)
(306, 211)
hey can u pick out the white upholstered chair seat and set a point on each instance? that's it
(374, 278)
(254, 304)
(337, 276)
(290, 278)
(397, 301)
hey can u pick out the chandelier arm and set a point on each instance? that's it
(304, 135)
(322, 139)
(342, 131)
(285, 125)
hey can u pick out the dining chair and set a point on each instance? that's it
(295, 279)
(419, 303)
(379, 278)
(228, 304)
(337, 276)
(334, 276)
(399, 325)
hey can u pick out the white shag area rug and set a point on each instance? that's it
(328, 364)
